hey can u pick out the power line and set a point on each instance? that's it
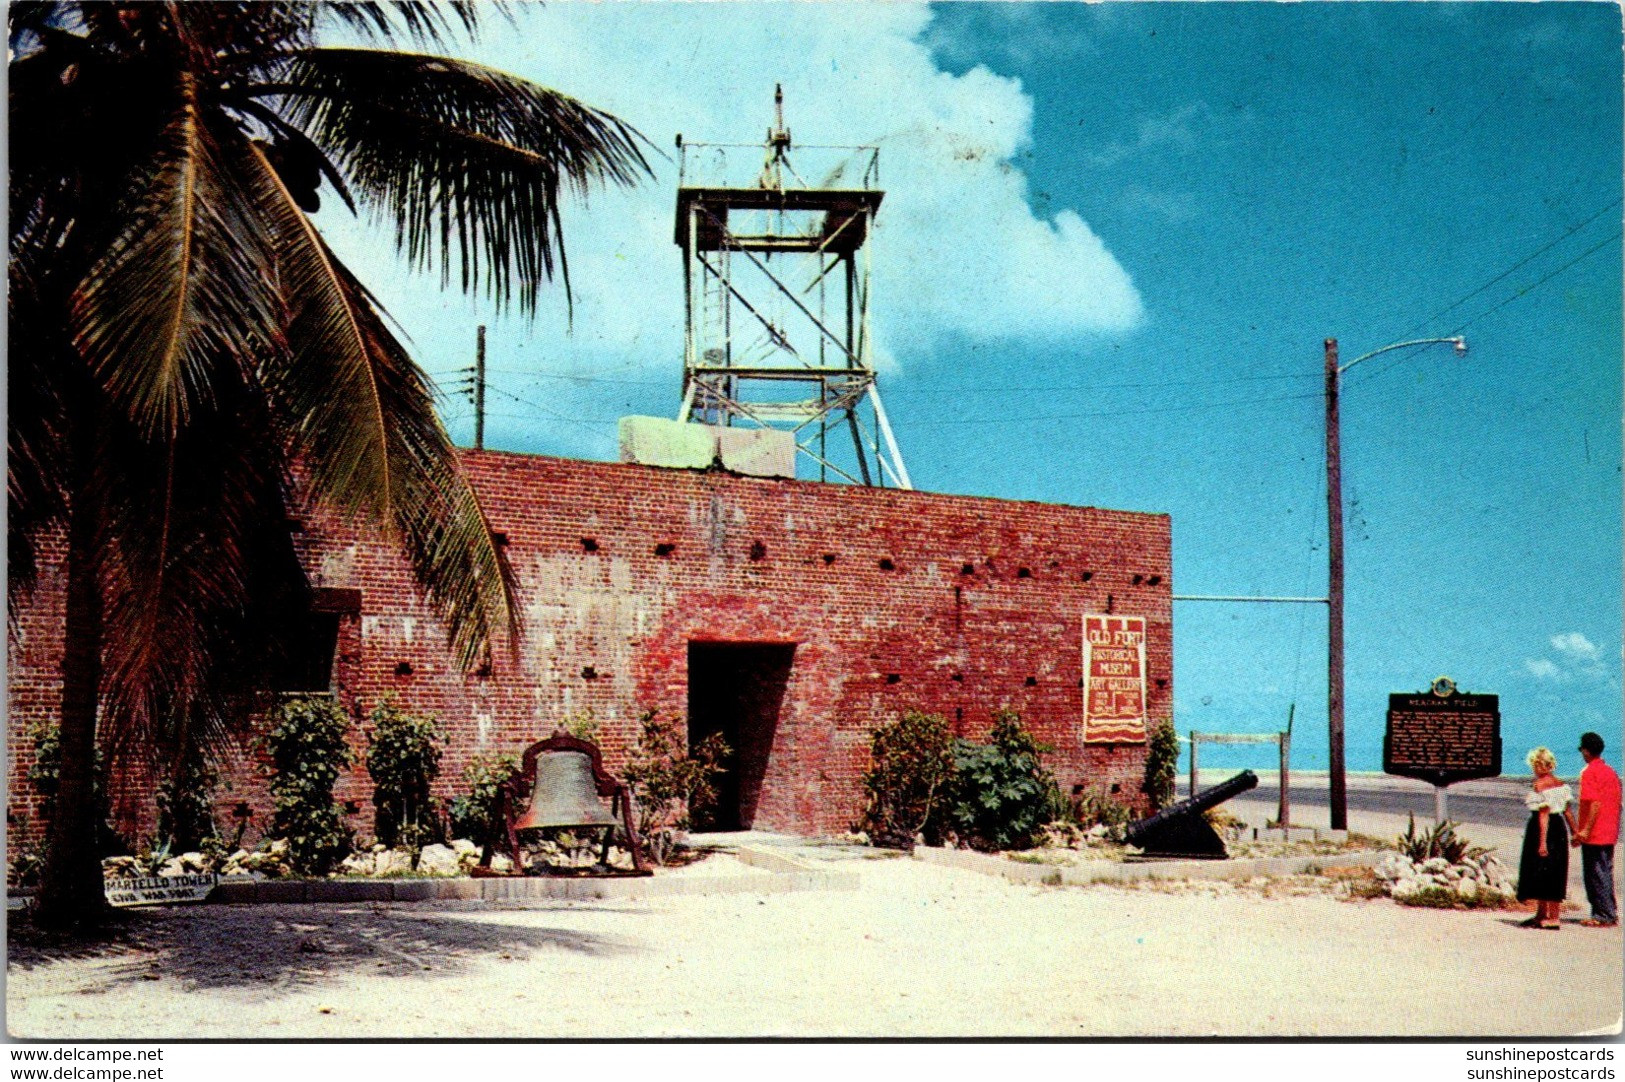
(907, 392)
(1542, 250)
(1526, 290)
(1107, 413)
(1536, 254)
(589, 424)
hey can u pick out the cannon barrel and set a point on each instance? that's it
(1195, 805)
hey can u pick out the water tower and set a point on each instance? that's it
(776, 291)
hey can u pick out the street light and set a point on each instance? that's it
(1334, 589)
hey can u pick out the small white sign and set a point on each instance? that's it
(159, 889)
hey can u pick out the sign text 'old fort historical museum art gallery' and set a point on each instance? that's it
(791, 616)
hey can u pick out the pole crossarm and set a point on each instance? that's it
(1272, 600)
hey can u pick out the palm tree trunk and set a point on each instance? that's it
(71, 881)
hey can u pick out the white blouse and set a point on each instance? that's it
(1554, 799)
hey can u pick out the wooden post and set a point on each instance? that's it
(1284, 815)
(1195, 736)
(479, 390)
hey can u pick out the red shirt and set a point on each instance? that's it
(1599, 783)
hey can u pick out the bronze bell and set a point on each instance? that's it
(565, 795)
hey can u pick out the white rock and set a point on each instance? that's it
(357, 864)
(1466, 889)
(391, 862)
(1435, 864)
(438, 860)
(463, 845)
(501, 863)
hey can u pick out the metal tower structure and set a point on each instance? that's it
(776, 291)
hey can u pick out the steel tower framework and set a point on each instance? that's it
(777, 290)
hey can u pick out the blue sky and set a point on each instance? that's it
(1115, 237)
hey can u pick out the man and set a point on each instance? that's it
(1597, 831)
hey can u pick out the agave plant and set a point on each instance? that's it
(183, 341)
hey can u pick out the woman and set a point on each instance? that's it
(1543, 869)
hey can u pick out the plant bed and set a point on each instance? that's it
(1101, 848)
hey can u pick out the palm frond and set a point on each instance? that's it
(469, 163)
(324, 381)
(438, 518)
(361, 420)
(183, 287)
(198, 566)
(422, 22)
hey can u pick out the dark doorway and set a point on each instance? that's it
(737, 689)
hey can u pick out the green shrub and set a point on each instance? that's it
(1440, 841)
(1001, 797)
(912, 766)
(308, 751)
(24, 867)
(46, 776)
(477, 815)
(669, 779)
(186, 803)
(582, 725)
(1161, 765)
(1095, 807)
(403, 758)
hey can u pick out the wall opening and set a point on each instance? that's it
(737, 689)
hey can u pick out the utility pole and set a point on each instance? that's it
(1338, 795)
(479, 390)
(1334, 599)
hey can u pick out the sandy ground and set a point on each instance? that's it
(916, 951)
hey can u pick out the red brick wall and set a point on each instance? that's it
(621, 567)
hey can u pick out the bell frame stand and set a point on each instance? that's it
(515, 795)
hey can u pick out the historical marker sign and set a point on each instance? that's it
(1443, 735)
(1114, 679)
(159, 889)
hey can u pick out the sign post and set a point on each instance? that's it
(1442, 736)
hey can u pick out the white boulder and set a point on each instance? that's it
(438, 860)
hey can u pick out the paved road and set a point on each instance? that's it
(1497, 811)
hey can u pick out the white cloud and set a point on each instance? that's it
(1542, 669)
(1577, 657)
(1574, 645)
(958, 252)
(1179, 130)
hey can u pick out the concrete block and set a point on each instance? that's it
(415, 890)
(758, 452)
(277, 890)
(677, 445)
(459, 889)
(238, 892)
(349, 890)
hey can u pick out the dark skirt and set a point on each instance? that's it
(1544, 878)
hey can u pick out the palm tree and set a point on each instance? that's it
(183, 343)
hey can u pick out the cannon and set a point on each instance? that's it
(1179, 830)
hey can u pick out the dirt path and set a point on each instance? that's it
(917, 951)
